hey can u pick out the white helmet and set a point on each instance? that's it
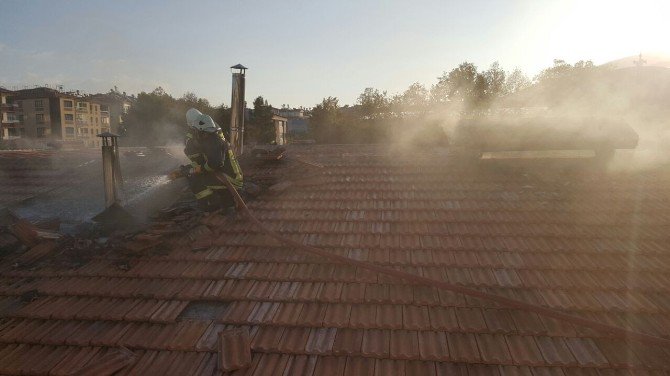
(200, 121)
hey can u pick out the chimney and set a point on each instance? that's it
(111, 169)
(237, 105)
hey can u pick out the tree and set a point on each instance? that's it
(261, 128)
(325, 119)
(373, 103)
(495, 82)
(516, 81)
(456, 87)
(562, 70)
(414, 99)
(156, 118)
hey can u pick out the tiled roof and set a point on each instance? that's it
(593, 246)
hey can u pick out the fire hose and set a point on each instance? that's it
(621, 333)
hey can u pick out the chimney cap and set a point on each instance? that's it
(238, 66)
(107, 134)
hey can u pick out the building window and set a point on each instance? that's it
(41, 132)
(13, 132)
(20, 117)
(68, 104)
(39, 104)
(69, 131)
(39, 118)
(19, 104)
(69, 118)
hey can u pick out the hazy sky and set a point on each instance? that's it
(301, 51)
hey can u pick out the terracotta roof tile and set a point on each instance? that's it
(471, 319)
(528, 322)
(524, 350)
(415, 317)
(463, 347)
(401, 294)
(337, 315)
(555, 351)
(653, 357)
(294, 340)
(360, 366)
(416, 367)
(433, 345)
(72, 359)
(313, 314)
(389, 316)
(389, 367)
(376, 343)
(288, 313)
(404, 344)
(443, 318)
(363, 316)
(348, 342)
(209, 338)
(321, 340)
(301, 365)
(330, 365)
(493, 348)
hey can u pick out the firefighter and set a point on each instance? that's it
(210, 153)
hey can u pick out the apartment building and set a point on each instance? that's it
(55, 116)
(113, 105)
(8, 121)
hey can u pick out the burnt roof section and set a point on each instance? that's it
(593, 246)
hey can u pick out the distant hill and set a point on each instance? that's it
(651, 60)
(619, 88)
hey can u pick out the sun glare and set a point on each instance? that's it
(605, 30)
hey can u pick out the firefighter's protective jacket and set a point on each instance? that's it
(210, 152)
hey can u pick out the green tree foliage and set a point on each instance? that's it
(413, 100)
(260, 127)
(157, 118)
(373, 104)
(326, 120)
(562, 83)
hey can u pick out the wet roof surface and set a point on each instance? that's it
(69, 184)
(593, 246)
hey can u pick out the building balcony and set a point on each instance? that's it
(82, 109)
(9, 107)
